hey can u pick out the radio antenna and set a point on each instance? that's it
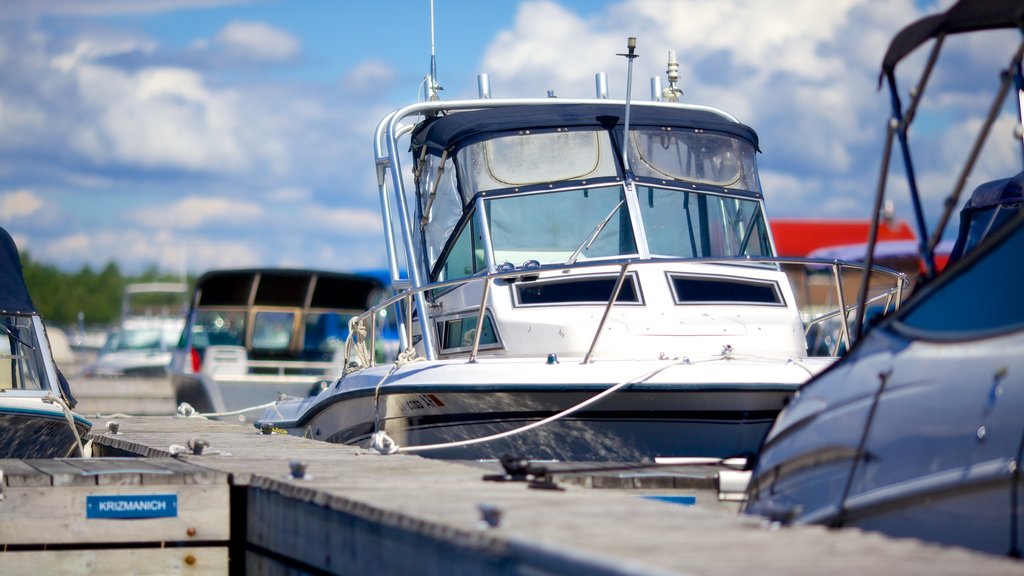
(630, 56)
(432, 86)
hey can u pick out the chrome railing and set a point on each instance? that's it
(889, 295)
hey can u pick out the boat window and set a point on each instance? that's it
(325, 333)
(272, 330)
(532, 157)
(690, 289)
(466, 256)
(586, 290)
(693, 155)
(21, 365)
(217, 328)
(550, 227)
(456, 335)
(444, 209)
(693, 224)
(983, 298)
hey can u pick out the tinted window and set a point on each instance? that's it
(583, 290)
(985, 297)
(704, 290)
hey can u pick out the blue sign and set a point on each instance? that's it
(130, 506)
(682, 500)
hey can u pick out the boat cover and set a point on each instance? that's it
(441, 132)
(1004, 192)
(13, 291)
(964, 16)
(285, 287)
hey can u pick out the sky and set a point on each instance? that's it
(199, 134)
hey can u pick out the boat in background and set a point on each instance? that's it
(36, 417)
(576, 280)
(917, 432)
(152, 318)
(255, 335)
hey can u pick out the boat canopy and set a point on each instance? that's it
(14, 295)
(454, 130)
(964, 16)
(990, 206)
(283, 287)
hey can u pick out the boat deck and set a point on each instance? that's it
(356, 513)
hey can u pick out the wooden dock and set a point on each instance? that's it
(359, 513)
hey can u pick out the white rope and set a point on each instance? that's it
(356, 341)
(187, 410)
(69, 416)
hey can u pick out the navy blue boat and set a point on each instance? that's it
(918, 431)
(36, 418)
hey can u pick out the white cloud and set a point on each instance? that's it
(290, 194)
(347, 221)
(258, 41)
(160, 118)
(19, 204)
(192, 212)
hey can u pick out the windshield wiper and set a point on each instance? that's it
(11, 334)
(593, 235)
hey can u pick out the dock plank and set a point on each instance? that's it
(207, 561)
(17, 473)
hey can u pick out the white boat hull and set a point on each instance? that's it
(721, 408)
(31, 428)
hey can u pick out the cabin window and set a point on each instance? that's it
(325, 333)
(589, 290)
(690, 224)
(466, 256)
(456, 335)
(552, 226)
(272, 330)
(535, 157)
(979, 300)
(21, 366)
(217, 328)
(689, 289)
(444, 210)
(693, 156)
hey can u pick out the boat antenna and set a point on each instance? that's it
(673, 92)
(432, 86)
(630, 56)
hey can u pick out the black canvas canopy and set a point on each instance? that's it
(964, 16)
(285, 287)
(13, 291)
(442, 132)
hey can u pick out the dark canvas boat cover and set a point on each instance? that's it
(285, 287)
(13, 291)
(1008, 192)
(442, 132)
(964, 16)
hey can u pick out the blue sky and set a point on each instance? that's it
(206, 134)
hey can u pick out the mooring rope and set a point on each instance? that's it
(69, 416)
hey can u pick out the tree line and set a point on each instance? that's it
(61, 296)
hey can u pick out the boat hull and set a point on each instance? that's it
(33, 429)
(683, 411)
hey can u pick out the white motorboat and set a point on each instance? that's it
(567, 293)
(36, 417)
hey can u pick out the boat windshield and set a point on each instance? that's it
(551, 227)
(687, 224)
(218, 328)
(21, 362)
